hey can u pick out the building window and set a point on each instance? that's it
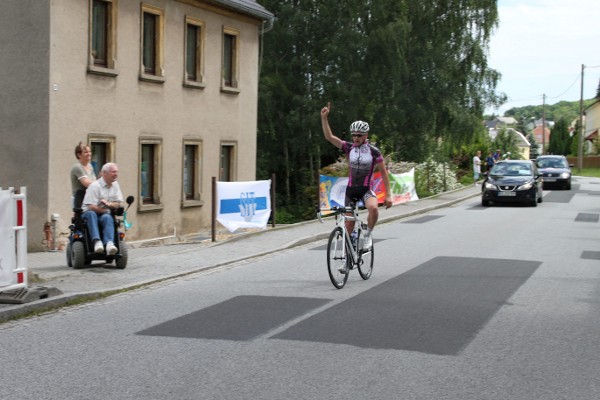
(103, 16)
(99, 158)
(152, 37)
(194, 54)
(150, 43)
(230, 60)
(103, 150)
(227, 165)
(100, 26)
(150, 174)
(192, 172)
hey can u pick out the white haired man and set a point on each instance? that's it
(101, 197)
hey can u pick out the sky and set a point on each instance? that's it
(539, 47)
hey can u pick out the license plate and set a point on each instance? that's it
(549, 179)
(507, 194)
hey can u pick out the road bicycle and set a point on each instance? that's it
(345, 251)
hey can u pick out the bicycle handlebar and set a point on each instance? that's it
(335, 211)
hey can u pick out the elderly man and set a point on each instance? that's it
(100, 198)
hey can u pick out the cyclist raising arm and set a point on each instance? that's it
(362, 159)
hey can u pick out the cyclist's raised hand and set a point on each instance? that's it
(329, 136)
(325, 110)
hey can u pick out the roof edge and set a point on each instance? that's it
(251, 8)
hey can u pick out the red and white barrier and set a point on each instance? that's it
(13, 239)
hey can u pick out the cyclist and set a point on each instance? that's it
(362, 159)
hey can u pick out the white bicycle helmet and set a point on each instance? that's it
(359, 127)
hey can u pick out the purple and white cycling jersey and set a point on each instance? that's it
(362, 160)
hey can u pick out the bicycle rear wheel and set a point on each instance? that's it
(337, 258)
(366, 259)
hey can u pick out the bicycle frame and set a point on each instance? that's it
(342, 254)
(341, 217)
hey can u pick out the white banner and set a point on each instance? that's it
(244, 204)
(7, 239)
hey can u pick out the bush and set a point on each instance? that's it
(432, 177)
(283, 217)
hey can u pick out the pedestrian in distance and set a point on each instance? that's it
(489, 161)
(363, 158)
(476, 166)
(497, 156)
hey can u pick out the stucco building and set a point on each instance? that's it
(165, 88)
(592, 125)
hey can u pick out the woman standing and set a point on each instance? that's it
(489, 161)
(82, 172)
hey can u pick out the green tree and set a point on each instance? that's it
(560, 141)
(415, 70)
(424, 86)
(533, 150)
(567, 110)
(506, 141)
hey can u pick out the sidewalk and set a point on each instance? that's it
(147, 265)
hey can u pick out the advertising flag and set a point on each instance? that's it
(332, 190)
(243, 204)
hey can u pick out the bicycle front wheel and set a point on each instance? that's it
(337, 258)
(365, 261)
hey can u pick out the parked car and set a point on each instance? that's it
(513, 181)
(555, 170)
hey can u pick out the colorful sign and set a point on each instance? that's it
(332, 190)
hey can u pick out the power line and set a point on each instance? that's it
(553, 97)
(569, 88)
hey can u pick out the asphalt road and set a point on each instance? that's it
(465, 302)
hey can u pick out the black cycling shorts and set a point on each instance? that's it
(356, 193)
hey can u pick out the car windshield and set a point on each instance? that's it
(552, 163)
(513, 169)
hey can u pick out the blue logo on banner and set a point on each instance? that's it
(246, 205)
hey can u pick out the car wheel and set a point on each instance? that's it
(485, 203)
(533, 203)
(568, 187)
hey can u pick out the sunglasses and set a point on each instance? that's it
(355, 135)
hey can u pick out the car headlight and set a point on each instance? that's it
(490, 186)
(565, 175)
(525, 186)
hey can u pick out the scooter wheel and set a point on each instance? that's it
(68, 254)
(121, 262)
(78, 255)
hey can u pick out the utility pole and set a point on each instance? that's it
(543, 124)
(581, 127)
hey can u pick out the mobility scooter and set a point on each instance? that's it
(80, 249)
